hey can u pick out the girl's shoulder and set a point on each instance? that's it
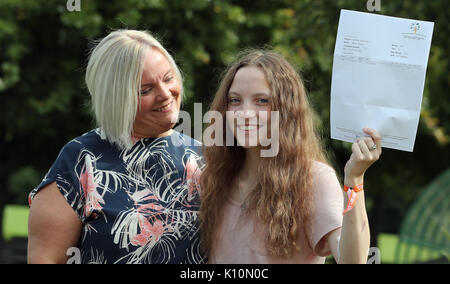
(320, 168)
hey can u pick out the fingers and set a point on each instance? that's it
(363, 149)
(364, 154)
(356, 151)
(375, 136)
(364, 145)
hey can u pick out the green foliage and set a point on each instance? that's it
(43, 52)
(26, 177)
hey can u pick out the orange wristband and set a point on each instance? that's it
(351, 193)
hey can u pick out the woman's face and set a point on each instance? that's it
(249, 106)
(160, 97)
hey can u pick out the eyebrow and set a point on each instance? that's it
(253, 95)
(152, 83)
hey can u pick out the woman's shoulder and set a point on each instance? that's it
(90, 140)
(181, 139)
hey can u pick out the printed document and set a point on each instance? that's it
(378, 77)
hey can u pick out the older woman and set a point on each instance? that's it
(124, 192)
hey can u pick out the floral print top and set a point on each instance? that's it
(136, 206)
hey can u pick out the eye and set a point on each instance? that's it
(145, 91)
(233, 100)
(262, 101)
(168, 79)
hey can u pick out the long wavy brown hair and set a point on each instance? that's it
(283, 198)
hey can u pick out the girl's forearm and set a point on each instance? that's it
(355, 233)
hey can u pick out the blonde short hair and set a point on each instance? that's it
(113, 78)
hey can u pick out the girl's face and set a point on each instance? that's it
(249, 106)
(160, 97)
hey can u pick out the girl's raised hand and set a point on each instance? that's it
(365, 151)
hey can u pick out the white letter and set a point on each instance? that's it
(229, 131)
(274, 140)
(198, 123)
(216, 128)
(211, 275)
(227, 273)
(75, 254)
(373, 5)
(73, 5)
(184, 127)
(264, 273)
(376, 258)
(183, 274)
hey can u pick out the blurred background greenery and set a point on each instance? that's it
(45, 103)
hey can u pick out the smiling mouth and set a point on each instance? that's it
(164, 108)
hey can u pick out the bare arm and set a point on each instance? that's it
(350, 244)
(53, 227)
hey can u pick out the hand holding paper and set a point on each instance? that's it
(365, 152)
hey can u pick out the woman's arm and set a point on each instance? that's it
(53, 227)
(350, 244)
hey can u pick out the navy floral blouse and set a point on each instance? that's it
(136, 206)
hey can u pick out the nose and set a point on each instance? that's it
(246, 110)
(164, 92)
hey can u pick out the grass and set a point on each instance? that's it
(408, 253)
(15, 221)
(387, 244)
